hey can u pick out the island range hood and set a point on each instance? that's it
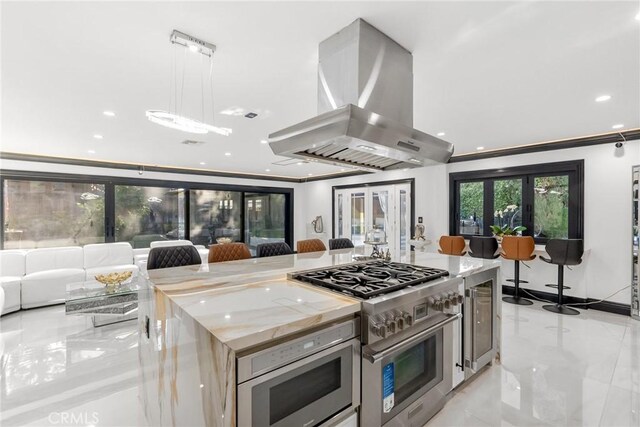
(365, 107)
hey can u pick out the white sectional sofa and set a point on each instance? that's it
(48, 271)
(104, 258)
(39, 277)
(12, 268)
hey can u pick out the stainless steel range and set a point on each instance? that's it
(411, 335)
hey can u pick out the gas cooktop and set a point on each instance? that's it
(369, 279)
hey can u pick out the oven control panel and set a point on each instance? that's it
(393, 321)
(290, 351)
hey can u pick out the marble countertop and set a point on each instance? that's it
(248, 302)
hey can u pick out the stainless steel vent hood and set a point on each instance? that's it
(365, 107)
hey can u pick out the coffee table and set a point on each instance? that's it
(105, 306)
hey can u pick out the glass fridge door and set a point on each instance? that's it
(635, 288)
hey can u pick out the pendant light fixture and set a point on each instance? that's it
(174, 118)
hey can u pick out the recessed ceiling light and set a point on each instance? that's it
(414, 160)
(227, 154)
(479, 148)
(96, 136)
(342, 170)
(638, 17)
(603, 98)
(618, 126)
(202, 163)
(441, 134)
(310, 174)
(267, 170)
(233, 111)
(299, 163)
(109, 113)
(263, 141)
(91, 151)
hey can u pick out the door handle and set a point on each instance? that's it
(373, 358)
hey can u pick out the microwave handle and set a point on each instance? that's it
(373, 358)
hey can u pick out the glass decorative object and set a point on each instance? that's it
(376, 237)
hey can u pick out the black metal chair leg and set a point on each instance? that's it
(516, 298)
(559, 307)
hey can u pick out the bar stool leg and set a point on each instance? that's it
(516, 298)
(559, 308)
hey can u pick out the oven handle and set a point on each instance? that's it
(373, 358)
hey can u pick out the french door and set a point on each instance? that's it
(387, 207)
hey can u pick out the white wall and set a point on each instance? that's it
(607, 212)
(299, 226)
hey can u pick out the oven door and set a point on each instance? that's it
(406, 383)
(304, 393)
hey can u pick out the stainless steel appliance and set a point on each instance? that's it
(365, 107)
(480, 337)
(306, 381)
(635, 286)
(410, 315)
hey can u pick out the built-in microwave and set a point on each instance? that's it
(309, 381)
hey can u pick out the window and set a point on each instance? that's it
(147, 214)
(546, 199)
(40, 214)
(46, 209)
(265, 219)
(215, 214)
(471, 208)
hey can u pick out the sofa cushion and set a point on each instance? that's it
(48, 287)
(105, 254)
(92, 272)
(12, 262)
(163, 243)
(53, 259)
(11, 287)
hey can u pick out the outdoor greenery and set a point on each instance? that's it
(44, 214)
(507, 201)
(471, 201)
(551, 207)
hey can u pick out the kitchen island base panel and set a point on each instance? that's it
(187, 377)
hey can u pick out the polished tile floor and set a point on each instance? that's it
(576, 370)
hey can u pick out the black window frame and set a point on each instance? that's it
(110, 183)
(573, 168)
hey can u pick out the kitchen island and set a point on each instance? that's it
(195, 321)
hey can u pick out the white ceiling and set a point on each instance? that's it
(491, 74)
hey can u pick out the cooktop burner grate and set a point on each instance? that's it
(369, 279)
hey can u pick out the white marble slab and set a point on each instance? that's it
(245, 303)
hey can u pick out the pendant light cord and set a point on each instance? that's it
(184, 70)
(213, 110)
(202, 86)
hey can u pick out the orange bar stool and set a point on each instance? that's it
(452, 245)
(563, 252)
(517, 248)
(310, 245)
(228, 252)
